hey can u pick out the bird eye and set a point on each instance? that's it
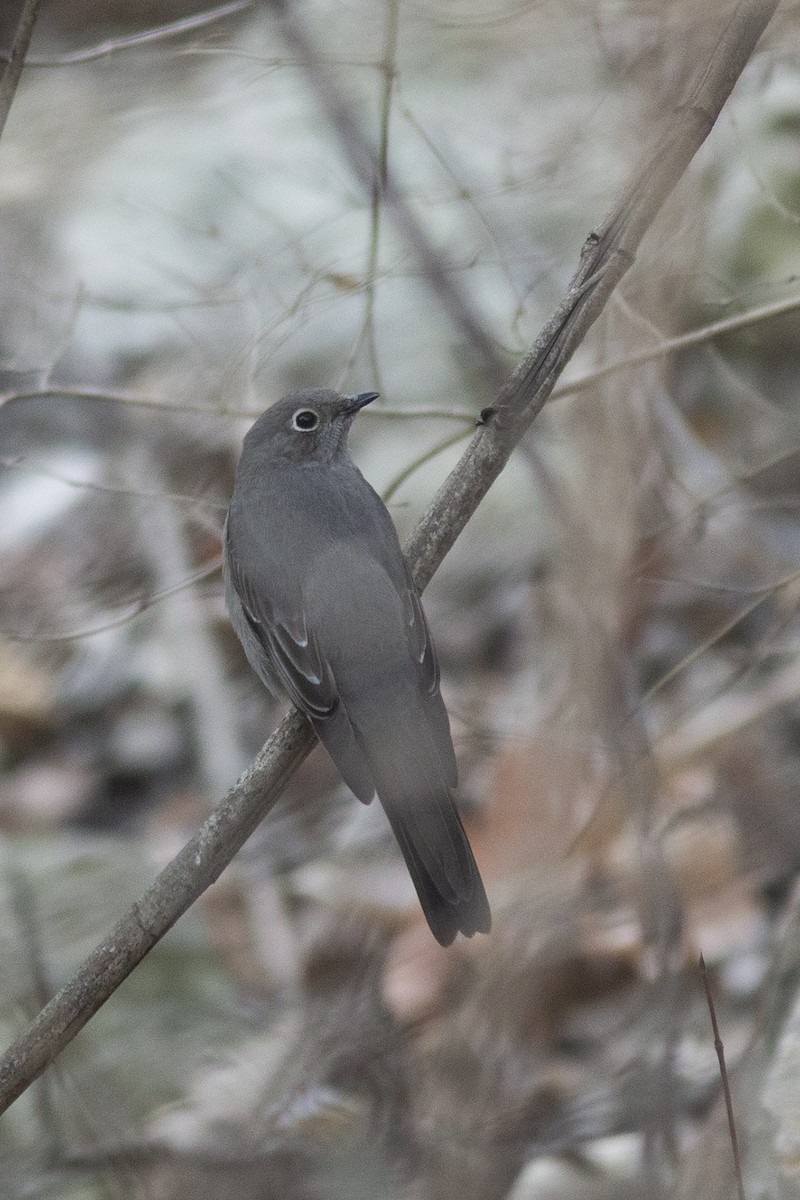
(305, 419)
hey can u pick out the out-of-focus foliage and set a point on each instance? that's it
(182, 240)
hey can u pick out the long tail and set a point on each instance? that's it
(440, 861)
(411, 762)
(404, 753)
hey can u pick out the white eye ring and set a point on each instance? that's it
(305, 420)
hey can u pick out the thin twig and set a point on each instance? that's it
(605, 258)
(21, 463)
(389, 69)
(134, 399)
(138, 400)
(411, 468)
(468, 195)
(135, 608)
(726, 717)
(356, 145)
(16, 59)
(680, 341)
(160, 34)
(716, 636)
(726, 1087)
(694, 337)
(366, 333)
(23, 910)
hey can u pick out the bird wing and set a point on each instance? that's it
(426, 663)
(289, 655)
(391, 557)
(419, 637)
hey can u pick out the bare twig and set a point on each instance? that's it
(726, 1087)
(728, 716)
(21, 463)
(362, 158)
(680, 341)
(160, 34)
(16, 59)
(134, 609)
(581, 383)
(427, 456)
(468, 195)
(389, 68)
(762, 595)
(139, 400)
(23, 910)
(605, 258)
(134, 399)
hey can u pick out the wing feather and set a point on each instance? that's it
(419, 638)
(292, 656)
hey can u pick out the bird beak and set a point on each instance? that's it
(356, 403)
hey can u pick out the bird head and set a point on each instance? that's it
(307, 426)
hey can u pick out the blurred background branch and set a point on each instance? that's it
(16, 59)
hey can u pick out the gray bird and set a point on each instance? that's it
(325, 607)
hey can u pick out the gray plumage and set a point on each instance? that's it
(324, 605)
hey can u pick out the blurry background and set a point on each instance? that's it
(187, 231)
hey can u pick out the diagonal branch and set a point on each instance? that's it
(605, 258)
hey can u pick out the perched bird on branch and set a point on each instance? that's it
(327, 612)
